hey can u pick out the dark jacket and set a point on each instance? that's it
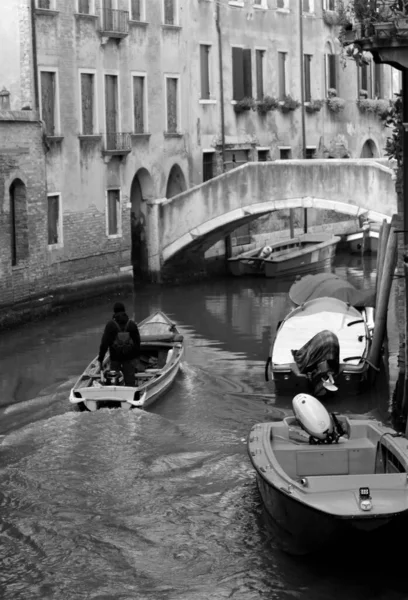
(109, 335)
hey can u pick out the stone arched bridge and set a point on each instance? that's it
(204, 214)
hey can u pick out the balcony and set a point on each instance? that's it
(114, 23)
(116, 144)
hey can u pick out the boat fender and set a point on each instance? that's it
(312, 416)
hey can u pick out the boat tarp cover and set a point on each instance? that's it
(318, 356)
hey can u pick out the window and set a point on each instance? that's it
(205, 71)
(235, 158)
(285, 153)
(241, 73)
(137, 10)
(54, 220)
(208, 165)
(139, 103)
(282, 74)
(308, 6)
(172, 103)
(310, 151)
(329, 4)
(170, 12)
(113, 213)
(46, 4)
(263, 155)
(307, 60)
(282, 4)
(112, 112)
(49, 101)
(377, 83)
(84, 7)
(365, 80)
(88, 107)
(259, 62)
(330, 69)
(260, 3)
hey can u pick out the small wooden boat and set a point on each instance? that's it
(355, 241)
(324, 476)
(301, 326)
(162, 348)
(304, 253)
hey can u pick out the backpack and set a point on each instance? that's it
(123, 343)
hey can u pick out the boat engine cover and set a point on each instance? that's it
(312, 416)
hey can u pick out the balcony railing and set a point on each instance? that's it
(114, 23)
(118, 143)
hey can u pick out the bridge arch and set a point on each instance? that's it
(176, 182)
(198, 217)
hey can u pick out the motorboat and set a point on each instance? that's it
(322, 476)
(162, 348)
(297, 255)
(321, 347)
(362, 241)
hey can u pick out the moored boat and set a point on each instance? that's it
(323, 338)
(304, 253)
(162, 348)
(322, 476)
(361, 241)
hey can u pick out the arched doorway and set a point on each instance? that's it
(18, 222)
(176, 183)
(140, 191)
(369, 150)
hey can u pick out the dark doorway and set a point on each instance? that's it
(176, 183)
(139, 193)
(18, 222)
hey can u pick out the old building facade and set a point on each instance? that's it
(136, 100)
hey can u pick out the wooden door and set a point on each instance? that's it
(111, 108)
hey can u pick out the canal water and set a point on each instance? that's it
(163, 504)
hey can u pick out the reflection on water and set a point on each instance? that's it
(161, 504)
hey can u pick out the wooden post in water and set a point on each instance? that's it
(291, 223)
(382, 245)
(383, 297)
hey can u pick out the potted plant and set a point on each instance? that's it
(267, 104)
(399, 8)
(334, 103)
(288, 104)
(244, 104)
(313, 106)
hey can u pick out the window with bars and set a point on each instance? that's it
(113, 212)
(170, 12)
(172, 104)
(285, 153)
(48, 101)
(310, 152)
(241, 73)
(139, 86)
(205, 71)
(45, 4)
(54, 219)
(307, 61)
(88, 103)
(259, 62)
(282, 74)
(208, 165)
(263, 155)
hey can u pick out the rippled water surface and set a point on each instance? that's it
(162, 504)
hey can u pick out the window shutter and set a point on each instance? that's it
(282, 74)
(87, 98)
(48, 101)
(172, 124)
(237, 73)
(205, 75)
(135, 10)
(247, 73)
(169, 12)
(259, 74)
(138, 103)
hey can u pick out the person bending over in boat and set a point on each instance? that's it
(122, 338)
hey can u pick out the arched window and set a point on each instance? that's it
(18, 222)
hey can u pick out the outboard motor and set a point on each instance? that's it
(313, 417)
(113, 377)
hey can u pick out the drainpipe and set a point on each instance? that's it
(220, 65)
(302, 96)
(35, 60)
(227, 239)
